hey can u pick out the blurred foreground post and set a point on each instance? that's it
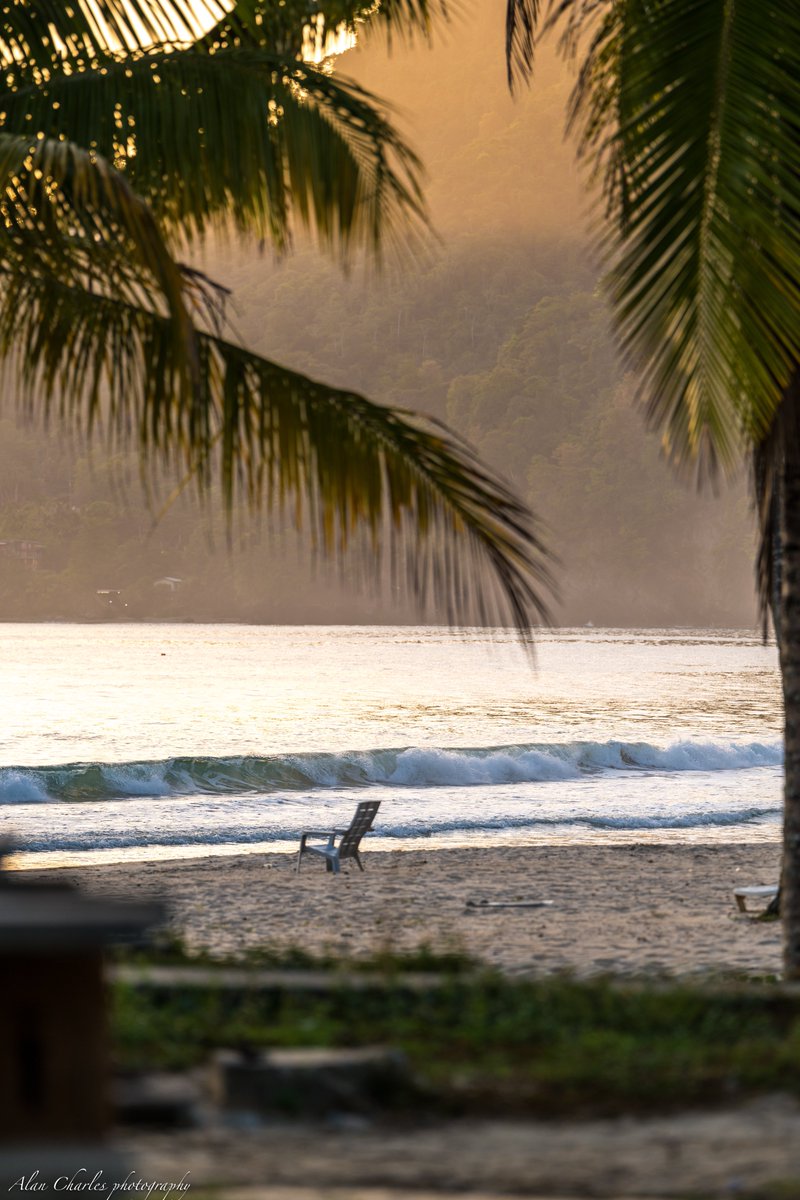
(55, 1109)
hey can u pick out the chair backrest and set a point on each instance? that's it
(360, 824)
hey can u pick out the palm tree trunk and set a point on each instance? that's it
(790, 671)
(776, 536)
(776, 539)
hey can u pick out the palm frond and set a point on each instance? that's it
(240, 134)
(687, 110)
(526, 20)
(94, 323)
(407, 19)
(280, 27)
(706, 286)
(67, 210)
(522, 22)
(455, 535)
(46, 33)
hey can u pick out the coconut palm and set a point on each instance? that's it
(129, 129)
(689, 112)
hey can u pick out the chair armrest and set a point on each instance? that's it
(326, 833)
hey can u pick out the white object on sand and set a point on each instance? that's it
(764, 892)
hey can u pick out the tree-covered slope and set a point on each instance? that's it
(498, 329)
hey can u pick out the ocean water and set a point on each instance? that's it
(133, 741)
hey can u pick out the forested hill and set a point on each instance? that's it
(508, 340)
(500, 329)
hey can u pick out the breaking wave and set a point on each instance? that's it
(417, 767)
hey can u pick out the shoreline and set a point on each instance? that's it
(630, 909)
(573, 836)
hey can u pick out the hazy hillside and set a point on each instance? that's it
(499, 328)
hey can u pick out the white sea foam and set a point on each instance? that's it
(417, 767)
(19, 787)
(217, 824)
(122, 781)
(431, 768)
(704, 756)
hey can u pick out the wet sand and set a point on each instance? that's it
(635, 909)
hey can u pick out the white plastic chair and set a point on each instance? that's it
(350, 839)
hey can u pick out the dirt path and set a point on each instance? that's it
(700, 1153)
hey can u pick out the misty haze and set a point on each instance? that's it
(500, 330)
(331, 868)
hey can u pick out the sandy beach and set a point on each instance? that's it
(631, 909)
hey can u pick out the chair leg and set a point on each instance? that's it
(357, 857)
(333, 864)
(300, 851)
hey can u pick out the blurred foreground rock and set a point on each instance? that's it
(310, 1082)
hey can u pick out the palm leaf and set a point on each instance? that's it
(90, 323)
(706, 282)
(455, 534)
(280, 26)
(687, 109)
(240, 133)
(403, 19)
(68, 211)
(45, 33)
(522, 21)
